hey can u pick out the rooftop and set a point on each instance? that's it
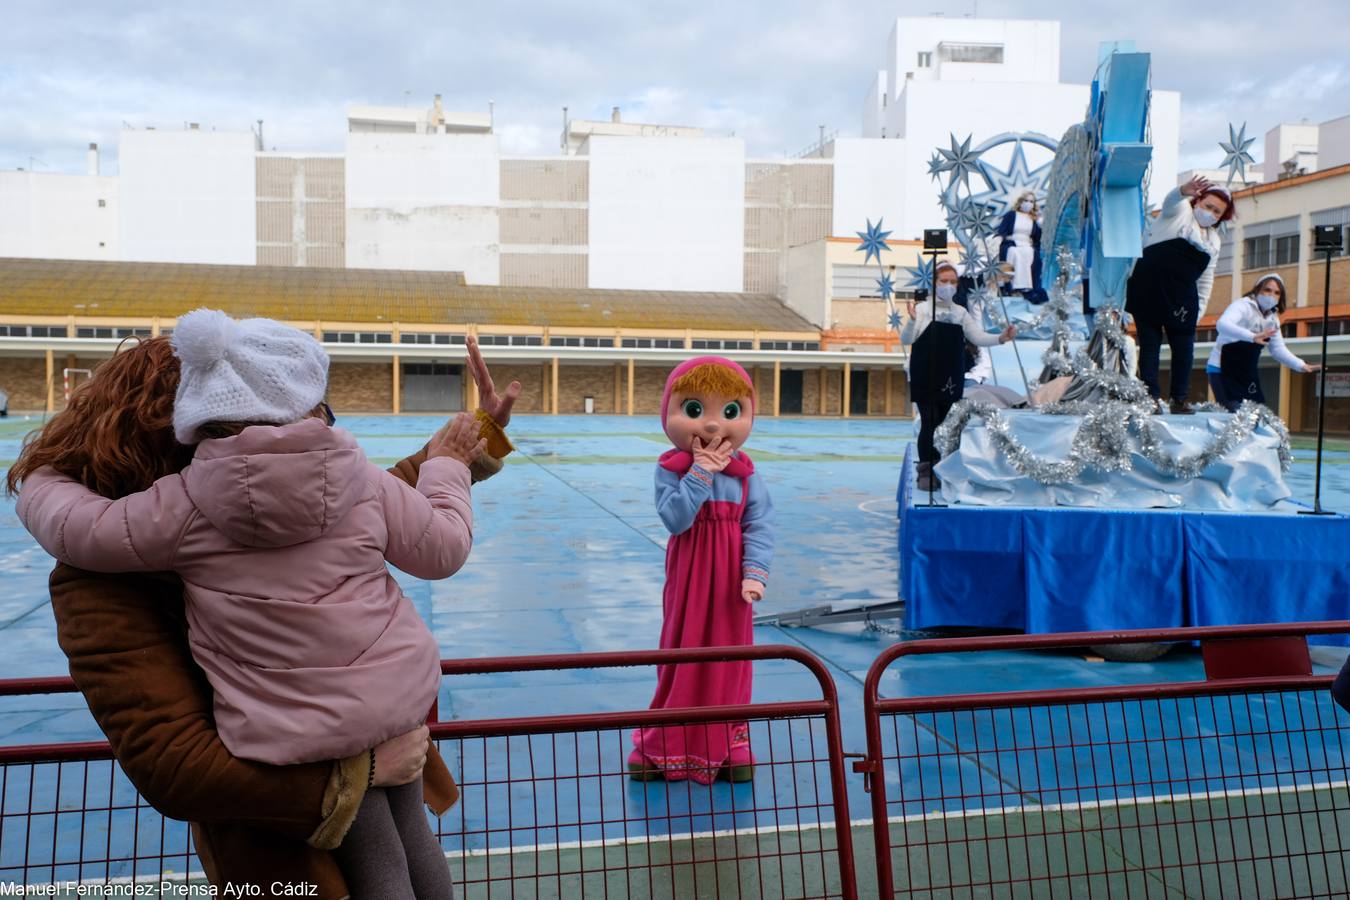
(44, 287)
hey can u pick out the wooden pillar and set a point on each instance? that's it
(889, 375)
(824, 390)
(398, 385)
(51, 383)
(554, 392)
(632, 366)
(1286, 393)
(777, 383)
(846, 394)
(1296, 394)
(618, 387)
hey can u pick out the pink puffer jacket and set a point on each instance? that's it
(281, 536)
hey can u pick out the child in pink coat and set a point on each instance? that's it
(280, 529)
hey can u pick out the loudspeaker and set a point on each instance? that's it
(935, 239)
(1329, 237)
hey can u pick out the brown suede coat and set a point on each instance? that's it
(125, 637)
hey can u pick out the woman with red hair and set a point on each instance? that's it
(1171, 282)
(125, 637)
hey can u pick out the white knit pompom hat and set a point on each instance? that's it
(253, 370)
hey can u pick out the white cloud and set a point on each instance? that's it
(771, 72)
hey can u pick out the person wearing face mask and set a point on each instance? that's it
(1251, 322)
(936, 369)
(1020, 246)
(1171, 282)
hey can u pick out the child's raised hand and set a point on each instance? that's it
(458, 440)
(712, 457)
(751, 590)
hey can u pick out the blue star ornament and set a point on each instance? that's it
(960, 160)
(894, 320)
(920, 276)
(873, 241)
(935, 166)
(1236, 158)
(885, 286)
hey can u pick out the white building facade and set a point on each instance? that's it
(625, 205)
(979, 78)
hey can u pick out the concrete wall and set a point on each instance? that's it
(25, 380)
(1333, 143)
(427, 202)
(808, 282)
(58, 216)
(870, 182)
(187, 197)
(667, 213)
(1030, 50)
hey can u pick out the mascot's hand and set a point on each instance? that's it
(751, 590)
(712, 456)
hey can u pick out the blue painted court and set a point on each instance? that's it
(568, 557)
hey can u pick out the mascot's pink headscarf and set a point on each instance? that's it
(679, 461)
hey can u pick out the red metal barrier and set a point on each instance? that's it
(1228, 787)
(547, 806)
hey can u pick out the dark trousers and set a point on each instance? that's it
(1221, 392)
(930, 417)
(390, 851)
(1183, 354)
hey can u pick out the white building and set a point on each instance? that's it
(60, 216)
(1290, 150)
(976, 77)
(622, 205)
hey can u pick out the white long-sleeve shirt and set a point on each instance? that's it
(1177, 220)
(950, 313)
(1243, 321)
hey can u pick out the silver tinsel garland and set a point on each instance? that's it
(1109, 435)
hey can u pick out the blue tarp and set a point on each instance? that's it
(1057, 569)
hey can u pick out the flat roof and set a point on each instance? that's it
(46, 287)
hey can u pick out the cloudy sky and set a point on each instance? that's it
(771, 71)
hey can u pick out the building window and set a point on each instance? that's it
(580, 342)
(413, 337)
(1256, 252)
(925, 59)
(440, 369)
(1286, 250)
(972, 53)
(37, 331)
(94, 332)
(357, 337)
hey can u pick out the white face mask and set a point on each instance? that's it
(1267, 302)
(946, 292)
(1025, 206)
(1205, 218)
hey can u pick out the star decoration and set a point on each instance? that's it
(920, 276)
(873, 241)
(894, 320)
(1006, 187)
(935, 167)
(960, 160)
(1236, 156)
(886, 286)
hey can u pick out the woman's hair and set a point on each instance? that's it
(116, 434)
(1028, 195)
(1256, 289)
(1230, 208)
(946, 264)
